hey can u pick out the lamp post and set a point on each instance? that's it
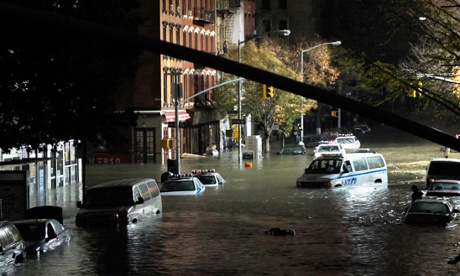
(336, 43)
(240, 153)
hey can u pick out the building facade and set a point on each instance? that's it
(162, 81)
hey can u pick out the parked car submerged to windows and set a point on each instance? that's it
(209, 177)
(119, 202)
(329, 149)
(349, 142)
(182, 185)
(42, 235)
(442, 168)
(293, 150)
(444, 188)
(430, 212)
(12, 245)
(361, 129)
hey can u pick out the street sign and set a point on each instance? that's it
(238, 121)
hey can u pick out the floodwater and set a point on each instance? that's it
(352, 231)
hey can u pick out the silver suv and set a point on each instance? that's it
(12, 246)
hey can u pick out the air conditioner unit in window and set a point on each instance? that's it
(190, 13)
(178, 9)
(171, 8)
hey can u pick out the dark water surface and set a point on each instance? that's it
(353, 231)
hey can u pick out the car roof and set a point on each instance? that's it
(33, 221)
(181, 178)
(447, 181)
(432, 200)
(123, 182)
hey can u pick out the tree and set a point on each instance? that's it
(284, 107)
(57, 88)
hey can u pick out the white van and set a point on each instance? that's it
(119, 202)
(345, 170)
(442, 168)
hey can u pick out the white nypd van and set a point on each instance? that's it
(345, 170)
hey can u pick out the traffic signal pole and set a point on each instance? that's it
(179, 102)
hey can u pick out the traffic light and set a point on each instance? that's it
(268, 91)
(414, 92)
(334, 113)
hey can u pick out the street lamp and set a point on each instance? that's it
(240, 153)
(336, 43)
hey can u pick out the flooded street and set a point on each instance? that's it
(350, 231)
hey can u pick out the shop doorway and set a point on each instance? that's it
(144, 148)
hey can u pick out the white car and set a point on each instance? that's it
(209, 177)
(329, 149)
(182, 185)
(349, 142)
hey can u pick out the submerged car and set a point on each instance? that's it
(430, 212)
(119, 203)
(329, 149)
(209, 177)
(349, 142)
(444, 188)
(12, 245)
(361, 129)
(41, 235)
(293, 150)
(180, 185)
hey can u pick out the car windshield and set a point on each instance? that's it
(328, 148)
(31, 232)
(207, 179)
(444, 186)
(109, 197)
(173, 186)
(429, 207)
(325, 166)
(290, 150)
(349, 140)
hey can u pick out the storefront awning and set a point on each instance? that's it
(170, 115)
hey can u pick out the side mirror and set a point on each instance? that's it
(140, 200)
(79, 204)
(1, 249)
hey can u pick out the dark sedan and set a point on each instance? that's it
(430, 212)
(41, 235)
(293, 150)
(444, 188)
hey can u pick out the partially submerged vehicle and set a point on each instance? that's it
(430, 212)
(119, 202)
(352, 169)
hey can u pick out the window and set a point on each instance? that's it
(165, 24)
(265, 4)
(196, 40)
(375, 162)
(171, 32)
(360, 164)
(283, 4)
(178, 26)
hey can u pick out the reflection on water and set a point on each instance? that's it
(355, 231)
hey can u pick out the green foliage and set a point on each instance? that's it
(58, 88)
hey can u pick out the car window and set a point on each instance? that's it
(444, 186)
(207, 179)
(32, 232)
(447, 168)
